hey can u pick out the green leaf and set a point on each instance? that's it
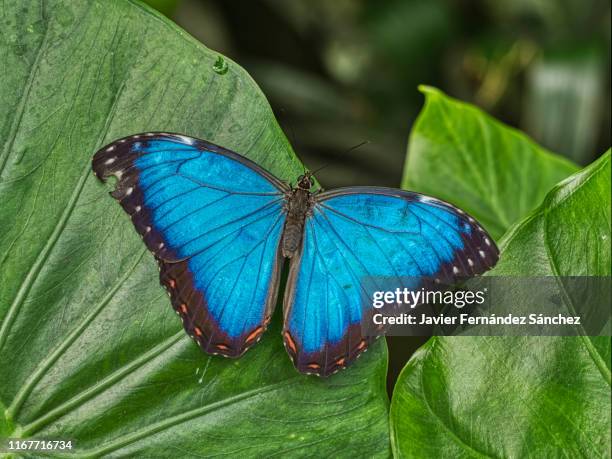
(462, 155)
(90, 349)
(520, 396)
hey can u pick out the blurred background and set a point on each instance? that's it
(341, 72)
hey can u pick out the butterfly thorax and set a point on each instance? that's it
(299, 205)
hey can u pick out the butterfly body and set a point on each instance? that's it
(220, 226)
(298, 207)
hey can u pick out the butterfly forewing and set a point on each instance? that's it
(214, 221)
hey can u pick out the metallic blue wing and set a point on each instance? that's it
(363, 233)
(213, 220)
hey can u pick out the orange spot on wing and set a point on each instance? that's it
(340, 361)
(171, 283)
(314, 366)
(222, 347)
(183, 308)
(254, 334)
(290, 342)
(197, 331)
(361, 345)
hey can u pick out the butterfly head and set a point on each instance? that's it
(306, 181)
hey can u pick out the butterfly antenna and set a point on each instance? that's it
(355, 147)
(289, 124)
(318, 169)
(287, 121)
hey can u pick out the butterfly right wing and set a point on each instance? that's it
(364, 237)
(213, 220)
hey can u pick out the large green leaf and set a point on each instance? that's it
(520, 396)
(90, 349)
(459, 153)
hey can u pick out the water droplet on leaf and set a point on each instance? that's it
(220, 66)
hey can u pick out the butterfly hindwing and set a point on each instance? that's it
(214, 221)
(361, 233)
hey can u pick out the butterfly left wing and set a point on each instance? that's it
(213, 219)
(363, 233)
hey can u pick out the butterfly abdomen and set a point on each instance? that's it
(298, 206)
(292, 237)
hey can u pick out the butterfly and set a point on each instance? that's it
(220, 227)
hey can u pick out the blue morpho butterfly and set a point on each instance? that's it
(220, 226)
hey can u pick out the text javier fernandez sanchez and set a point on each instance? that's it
(467, 319)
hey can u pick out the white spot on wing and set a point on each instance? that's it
(138, 208)
(487, 241)
(455, 270)
(109, 161)
(428, 199)
(470, 262)
(482, 254)
(129, 191)
(111, 148)
(185, 139)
